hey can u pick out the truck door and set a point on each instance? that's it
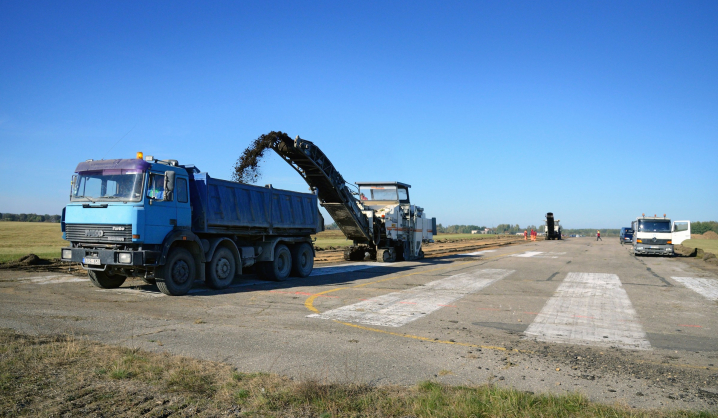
(160, 214)
(184, 211)
(681, 231)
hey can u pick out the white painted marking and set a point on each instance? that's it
(139, 292)
(53, 279)
(345, 268)
(58, 281)
(589, 309)
(528, 254)
(399, 308)
(708, 288)
(549, 255)
(480, 252)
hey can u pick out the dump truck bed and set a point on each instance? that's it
(221, 206)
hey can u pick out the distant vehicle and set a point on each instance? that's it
(626, 235)
(552, 227)
(658, 235)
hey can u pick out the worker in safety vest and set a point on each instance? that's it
(598, 236)
(533, 235)
(525, 235)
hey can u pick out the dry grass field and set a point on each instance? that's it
(67, 376)
(21, 238)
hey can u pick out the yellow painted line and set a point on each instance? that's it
(309, 304)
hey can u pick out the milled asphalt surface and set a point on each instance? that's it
(477, 339)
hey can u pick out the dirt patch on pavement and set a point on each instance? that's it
(33, 263)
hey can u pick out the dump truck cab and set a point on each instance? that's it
(122, 211)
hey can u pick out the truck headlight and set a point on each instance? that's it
(66, 254)
(639, 248)
(125, 258)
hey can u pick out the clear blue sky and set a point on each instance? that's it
(494, 112)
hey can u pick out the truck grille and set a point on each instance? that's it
(654, 241)
(98, 233)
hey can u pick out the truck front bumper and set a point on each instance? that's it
(92, 257)
(666, 249)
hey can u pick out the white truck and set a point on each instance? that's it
(657, 235)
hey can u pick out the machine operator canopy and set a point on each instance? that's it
(384, 191)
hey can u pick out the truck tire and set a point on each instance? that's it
(302, 259)
(177, 275)
(278, 269)
(221, 270)
(106, 281)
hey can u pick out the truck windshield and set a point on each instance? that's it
(378, 193)
(654, 226)
(107, 185)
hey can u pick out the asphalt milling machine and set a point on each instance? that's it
(378, 217)
(553, 229)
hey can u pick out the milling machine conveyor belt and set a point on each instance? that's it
(319, 173)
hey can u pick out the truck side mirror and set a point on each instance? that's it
(169, 184)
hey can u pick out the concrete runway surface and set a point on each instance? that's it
(550, 316)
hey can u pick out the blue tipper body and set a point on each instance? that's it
(221, 206)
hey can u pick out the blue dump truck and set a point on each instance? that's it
(172, 224)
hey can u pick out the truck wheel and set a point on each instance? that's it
(302, 260)
(106, 281)
(278, 269)
(221, 270)
(177, 275)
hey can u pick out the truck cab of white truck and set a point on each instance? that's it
(657, 235)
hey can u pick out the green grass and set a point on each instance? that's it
(707, 245)
(333, 238)
(18, 239)
(65, 376)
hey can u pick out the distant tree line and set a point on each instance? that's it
(500, 229)
(703, 227)
(331, 227)
(28, 217)
(458, 229)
